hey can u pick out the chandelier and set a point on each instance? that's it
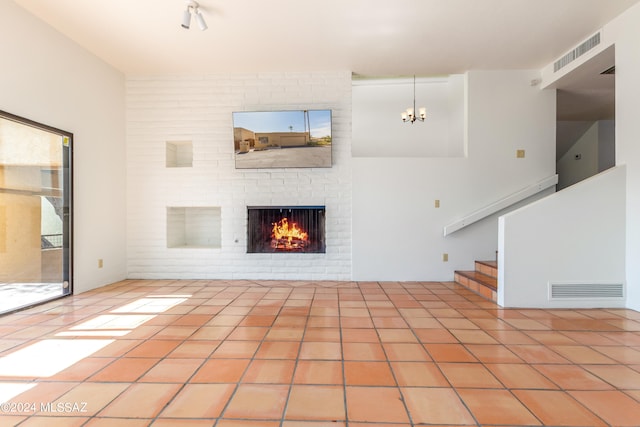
(409, 115)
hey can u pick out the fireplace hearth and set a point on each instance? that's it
(286, 229)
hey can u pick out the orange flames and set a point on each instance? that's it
(287, 236)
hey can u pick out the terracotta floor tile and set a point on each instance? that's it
(172, 371)
(126, 369)
(249, 333)
(54, 421)
(389, 322)
(557, 408)
(95, 395)
(238, 423)
(457, 323)
(278, 350)
(493, 353)
(316, 403)
(368, 373)
(449, 353)
(199, 401)
(497, 407)
(269, 371)
(418, 374)
(619, 376)
(469, 375)
(154, 396)
(154, 348)
(176, 332)
(626, 355)
(406, 352)
(322, 334)
(363, 351)
(252, 320)
(520, 376)
(435, 336)
(318, 372)
(221, 371)
(321, 351)
(572, 377)
(119, 422)
(359, 335)
(467, 336)
(550, 338)
(590, 338)
(82, 369)
(537, 354)
(397, 335)
(212, 333)
(511, 337)
(285, 333)
(614, 407)
(181, 422)
(258, 401)
(436, 406)
(236, 349)
(424, 323)
(581, 354)
(117, 348)
(356, 322)
(194, 349)
(192, 320)
(363, 404)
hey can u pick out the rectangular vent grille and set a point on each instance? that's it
(585, 290)
(585, 47)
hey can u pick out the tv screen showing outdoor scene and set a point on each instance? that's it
(282, 139)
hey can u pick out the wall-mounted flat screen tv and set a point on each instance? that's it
(282, 139)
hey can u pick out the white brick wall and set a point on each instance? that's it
(198, 109)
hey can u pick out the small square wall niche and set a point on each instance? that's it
(193, 227)
(179, 154)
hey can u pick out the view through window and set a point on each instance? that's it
(35, 212)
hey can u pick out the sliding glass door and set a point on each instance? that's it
(35, 212)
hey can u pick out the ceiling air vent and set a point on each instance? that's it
(576, 53)
(576, 291)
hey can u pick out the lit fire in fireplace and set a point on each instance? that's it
(289, 237)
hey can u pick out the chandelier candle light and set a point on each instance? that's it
(409, 115)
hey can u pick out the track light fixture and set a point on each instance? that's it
(193, 8)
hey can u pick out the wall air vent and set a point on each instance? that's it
(576, 53)
(580, 291)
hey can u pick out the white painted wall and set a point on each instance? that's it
(381, 102)
(574, 236)
(49, 79)
(199, 109)
(624, 32)
(397, 231)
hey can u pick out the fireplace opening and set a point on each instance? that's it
(286, 229)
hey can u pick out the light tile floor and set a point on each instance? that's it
(313, 354)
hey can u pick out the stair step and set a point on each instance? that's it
(490, 268)
(479, 283)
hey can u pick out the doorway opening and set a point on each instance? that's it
(585, 126)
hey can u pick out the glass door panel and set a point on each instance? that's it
(35, 213)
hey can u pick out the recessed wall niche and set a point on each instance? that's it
(193, 227)
(179, 154)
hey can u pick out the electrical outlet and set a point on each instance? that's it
(437, 203)
(445, 257)
(100, 263)
(520, 154)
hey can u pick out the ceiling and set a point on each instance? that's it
(367, 37)
(371, 38)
